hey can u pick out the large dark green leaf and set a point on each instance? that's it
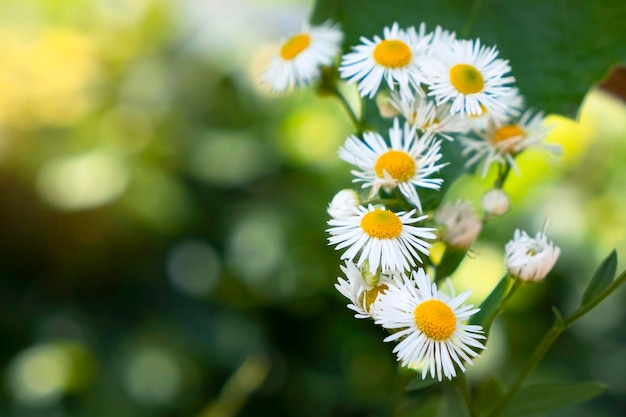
(544, 397)
(602, 278)
(558, 49)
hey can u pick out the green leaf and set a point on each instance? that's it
(533, 399)
(489, 306)
(418, 383)
(488, 394)
(602, 278)
(557, 52)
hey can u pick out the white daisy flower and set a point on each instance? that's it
(502, 143)
(496, 202)
(344, 204)
(381, 237)
(467, 75)
(407, 163)
(301, 56)
(427, 116)
(363, 288)
(530, 259)
(429, 326)
(395, 58)
(460, 225)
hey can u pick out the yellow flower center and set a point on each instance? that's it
(466, 79)
(506, 132)
(392, 53)
(370, 295)
(398, 164)
(294, 46)
(435, 319)
(381, 224)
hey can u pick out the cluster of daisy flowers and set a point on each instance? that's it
(435, 88)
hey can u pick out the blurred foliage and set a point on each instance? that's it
(163, 217)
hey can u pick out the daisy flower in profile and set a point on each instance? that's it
(363, 288)
(502, 143)
(407, 163)
(301, 56)
(467, 75)
(381, 237)
(423, 113)
(429, 326)
(530, 259)
(395, 59)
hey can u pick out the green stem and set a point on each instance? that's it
(555, 331)
(353, 117)
(502, 176)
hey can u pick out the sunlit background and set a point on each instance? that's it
(162, 218)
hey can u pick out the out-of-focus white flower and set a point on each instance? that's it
(301, 57)
(460, 224)
(496, 202)
(530, 259)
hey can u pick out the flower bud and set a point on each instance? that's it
(530, 259)
(344, 204)
(460, 224)
(496, 202)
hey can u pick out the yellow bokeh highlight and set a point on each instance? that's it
(45, 76)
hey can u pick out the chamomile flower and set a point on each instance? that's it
(381, 237)
(395, 58)
(429, 326)
(427, 116)
(467, 75)
(301, 56)
(530, 259)
(408, 163)
(363, 288)
(502, 143)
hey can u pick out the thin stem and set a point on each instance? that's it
(502, 176)
(530, 365)
(549, 338)
(353, 117)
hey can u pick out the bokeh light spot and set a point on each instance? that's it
(193, 267)
(83, 182)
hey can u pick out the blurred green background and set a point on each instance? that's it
(162, 218)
